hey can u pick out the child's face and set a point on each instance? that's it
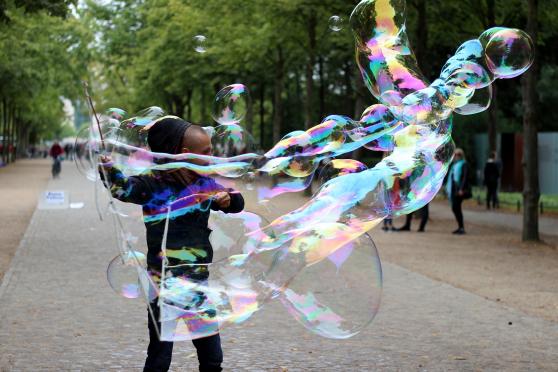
(198, 143)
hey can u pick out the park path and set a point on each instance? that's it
(20, 184)
(514, 221)
(58, 313)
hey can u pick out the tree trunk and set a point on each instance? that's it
(187, 106)
(361, 92)
(277, 99)
(350, 98)
(177, 105)
(422, 37)
(322, 87)
(531, 192)
(249, 119)
(13, 145)
(23, 136)
(493, 109)
(309, 107)
(203, 106)
(262, 114)
(4, 131)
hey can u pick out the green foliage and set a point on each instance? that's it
(139, 53)
(146, 55)
(43, 58)
(56, 8)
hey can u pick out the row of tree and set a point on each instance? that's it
(43, 56)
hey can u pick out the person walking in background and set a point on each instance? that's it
(491, 178)
(458, 187)
(55, 152)
(68, 150)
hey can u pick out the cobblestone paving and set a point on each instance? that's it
(58, 313)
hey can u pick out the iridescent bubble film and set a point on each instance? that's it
(230, 227)
(230, 104)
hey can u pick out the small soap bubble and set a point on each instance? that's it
(335, 23)
(200, 43)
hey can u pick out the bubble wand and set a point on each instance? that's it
(92, 108)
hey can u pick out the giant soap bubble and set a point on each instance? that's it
(314, 255)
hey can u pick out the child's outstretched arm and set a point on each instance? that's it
(133, 189)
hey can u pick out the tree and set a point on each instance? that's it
(531, 192)
(44, 57)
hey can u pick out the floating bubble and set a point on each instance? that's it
(127, 274)
(231, 104)
(509, 53)
(340, 295)
(335, 23)
(200, 43)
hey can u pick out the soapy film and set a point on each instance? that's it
(256, 261)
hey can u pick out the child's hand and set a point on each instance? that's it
(105, 162)
(223, 199)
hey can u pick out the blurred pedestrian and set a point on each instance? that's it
(68, 150)
(388, 224)
(56, 152)
(458, 187)
(491, 178)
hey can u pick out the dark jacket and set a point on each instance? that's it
(491, 174)
(188, 227)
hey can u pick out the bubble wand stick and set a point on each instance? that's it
(92, 108)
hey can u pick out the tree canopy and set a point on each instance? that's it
(139, 53)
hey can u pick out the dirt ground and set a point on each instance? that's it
(20, 185)
(489, 261)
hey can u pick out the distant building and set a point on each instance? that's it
(510, 155)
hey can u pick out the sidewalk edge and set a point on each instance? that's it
(5, 282)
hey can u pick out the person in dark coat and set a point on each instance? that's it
(491, 177)
(458, 188)
(189, 231)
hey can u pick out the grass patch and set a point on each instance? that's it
(511, 199)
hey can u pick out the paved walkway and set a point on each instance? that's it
(20, 185)
(58, 313)
(547, 225)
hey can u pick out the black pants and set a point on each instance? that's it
(159, 353)
(457, 211)
(424, 215)
(492, 196)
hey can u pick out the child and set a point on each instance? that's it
(155, 192)
(388, 224)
